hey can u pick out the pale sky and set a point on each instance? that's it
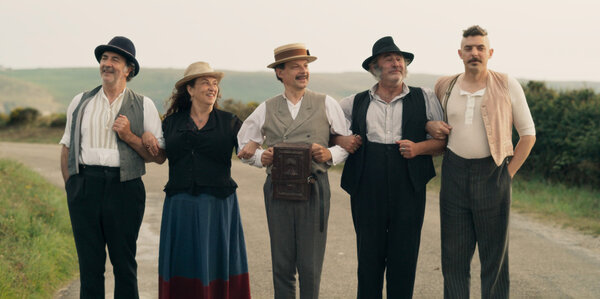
(532, 39)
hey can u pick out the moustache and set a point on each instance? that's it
(108, 69)
(474, 60)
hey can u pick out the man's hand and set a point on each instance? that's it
(122, 127)
(319, 153)
(267, 157)
(408, 149)
(438, 129)
(150, 143)
(248, 150)
(349, 143)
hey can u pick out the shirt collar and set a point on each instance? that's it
(290, 104)
(119, 97)
(473, 94)
(374, 96)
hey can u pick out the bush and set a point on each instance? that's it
(4, 118)
(23, 116)
(54, 120)
(567, 125)
(238, 108)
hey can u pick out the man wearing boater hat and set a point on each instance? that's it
(102, 161)
(387, 171)
(298, 229)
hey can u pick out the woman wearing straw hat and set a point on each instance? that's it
(202, 250)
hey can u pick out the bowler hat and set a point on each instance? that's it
(196, 70)
(122, 46)
(386, 45)
(291, 52)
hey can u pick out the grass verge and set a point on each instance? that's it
(558, 204)
(576, 207)
(37, 252)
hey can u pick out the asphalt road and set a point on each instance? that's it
(545, 261)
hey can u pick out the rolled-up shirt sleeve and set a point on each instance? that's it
(522, 119)
(339, 126)
(251, 130)
(152, 122)
(346, 104)
(432, 106)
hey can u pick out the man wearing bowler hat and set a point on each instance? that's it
(386, 173)
(102, 161)
(298, 228)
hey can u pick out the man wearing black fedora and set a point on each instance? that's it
(387, 171)
(297, 228)
(102, 161)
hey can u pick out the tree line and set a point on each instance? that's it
(567, 127)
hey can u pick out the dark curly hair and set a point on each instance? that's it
(180, 98)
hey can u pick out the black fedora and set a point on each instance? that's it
(122, 46)
(386, 45)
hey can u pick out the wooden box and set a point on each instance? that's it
(291, 171)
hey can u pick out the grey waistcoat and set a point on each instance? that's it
(132, 165)
(310, 126)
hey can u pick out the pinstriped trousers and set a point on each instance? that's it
(475, 199)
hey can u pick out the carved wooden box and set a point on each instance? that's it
(291, 171)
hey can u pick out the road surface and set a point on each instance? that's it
(545, 261)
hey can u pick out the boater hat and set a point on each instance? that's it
(196, 70)
(291, 52)
(122, 46)
(386, 45)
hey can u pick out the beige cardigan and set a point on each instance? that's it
(496, 111)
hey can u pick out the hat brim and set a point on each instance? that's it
(188, 78)
(407, 55)
(103, 48)
(306, 57)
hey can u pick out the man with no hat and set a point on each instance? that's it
(481, 107)
(298, 229)
(102, 161)
(386, 173)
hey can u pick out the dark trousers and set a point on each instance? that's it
(388, 216)
(297, 242)
(105, 213)
(474, 208)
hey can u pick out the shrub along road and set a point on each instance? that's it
(545, 261)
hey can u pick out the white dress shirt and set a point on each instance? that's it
(384, 120)
(98, 140)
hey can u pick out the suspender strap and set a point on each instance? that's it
(447, 97)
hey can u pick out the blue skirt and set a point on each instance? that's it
(202, 251)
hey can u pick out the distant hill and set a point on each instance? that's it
(18, 93)
(51, 90)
